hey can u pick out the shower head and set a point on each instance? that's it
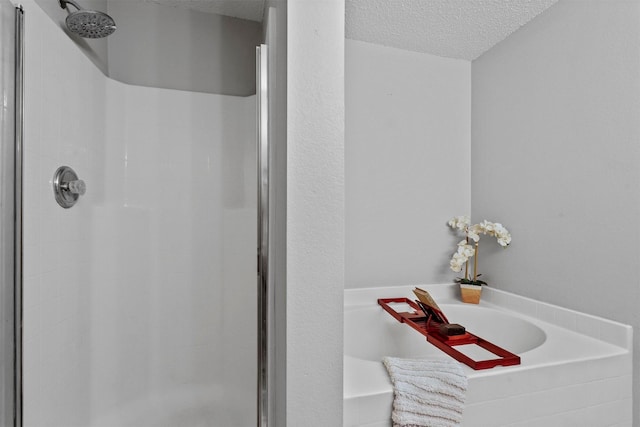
(89, 24)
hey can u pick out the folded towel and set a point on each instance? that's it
(427, 392)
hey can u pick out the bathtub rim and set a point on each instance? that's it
(560, 325)
(600, 328)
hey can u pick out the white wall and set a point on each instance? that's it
(315, 211)
(555, 154)
(407, 163)
(129, 294)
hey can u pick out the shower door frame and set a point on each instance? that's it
(11, 229)
(265, 301)
(265, 292)
(19, 161)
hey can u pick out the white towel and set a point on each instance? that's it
(427, 392)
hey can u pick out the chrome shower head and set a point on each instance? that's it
(89, 24)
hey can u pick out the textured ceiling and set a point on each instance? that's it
(462, 29)
(245, 9)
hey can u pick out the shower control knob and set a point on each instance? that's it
(77, 187)
(67, 188)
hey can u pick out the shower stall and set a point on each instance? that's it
(130, 293)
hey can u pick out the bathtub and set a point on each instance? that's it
(575, 368)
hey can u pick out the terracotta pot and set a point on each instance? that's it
(470, 293)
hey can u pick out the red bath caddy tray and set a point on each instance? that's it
(430, 328)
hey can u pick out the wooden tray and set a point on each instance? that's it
(430, 328)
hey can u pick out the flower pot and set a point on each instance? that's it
(470, 293)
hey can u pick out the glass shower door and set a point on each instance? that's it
(141, 298)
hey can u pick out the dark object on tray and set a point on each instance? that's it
(451, 329)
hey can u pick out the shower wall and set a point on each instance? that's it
(157, 45)
(95, 49)
(140, 300)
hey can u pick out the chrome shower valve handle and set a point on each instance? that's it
(67, 188)
(76, 187)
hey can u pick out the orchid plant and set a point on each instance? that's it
(466, 249)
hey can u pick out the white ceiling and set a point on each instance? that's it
(462, 29)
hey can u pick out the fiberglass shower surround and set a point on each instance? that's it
(127, 294)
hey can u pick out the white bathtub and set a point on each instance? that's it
(575, 369)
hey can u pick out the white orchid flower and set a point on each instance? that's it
(460, 222)
(487, 227)
(466, 250)
(472, 233)
(455, 266)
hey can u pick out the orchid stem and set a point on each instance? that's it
(475, 264)
(466, 266)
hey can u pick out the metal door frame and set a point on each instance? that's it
(265, 292)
